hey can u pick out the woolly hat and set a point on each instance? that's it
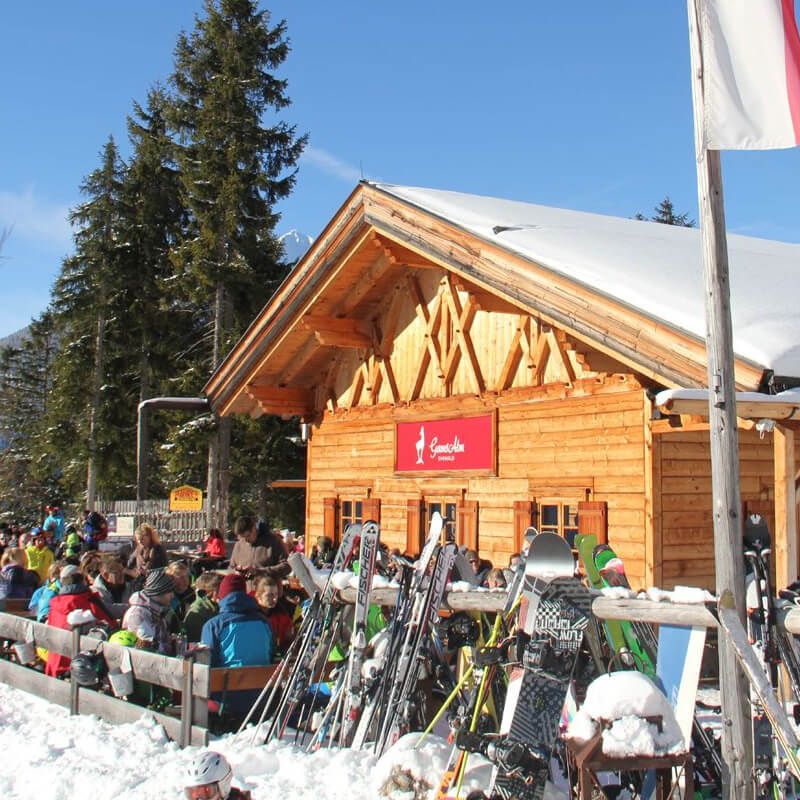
(233, 582)
(66, 571)
(157, 583)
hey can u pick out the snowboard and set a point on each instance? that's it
(554, 613)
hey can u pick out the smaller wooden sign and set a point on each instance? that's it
(186, 498)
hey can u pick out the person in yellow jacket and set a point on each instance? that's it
(39, 556)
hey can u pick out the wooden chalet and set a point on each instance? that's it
(499, 362)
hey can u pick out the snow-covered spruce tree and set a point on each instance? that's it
(237, 159)
(156, 321)
(28, 473)
(84, 300)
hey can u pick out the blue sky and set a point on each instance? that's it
(584, 106)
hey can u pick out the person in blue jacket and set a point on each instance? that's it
(239, 636)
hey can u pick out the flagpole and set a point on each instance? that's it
(737, 739)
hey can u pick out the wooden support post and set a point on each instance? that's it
(187, 699)
(785, 508)
(74, 689)
(737, 739)
(202, 659)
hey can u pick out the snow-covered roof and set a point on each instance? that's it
(654, 268)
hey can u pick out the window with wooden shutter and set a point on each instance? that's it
(415, 516)
(593, 519)
(524, 517)
(467, 524)
(371, 509)
(330, 518)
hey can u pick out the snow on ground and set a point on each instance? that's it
(51, 754)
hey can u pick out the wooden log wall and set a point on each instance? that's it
(574, 448)
(683, 492)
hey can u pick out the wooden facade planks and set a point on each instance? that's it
(684, 492)
(537, 454)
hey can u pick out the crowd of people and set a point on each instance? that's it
(233, 604)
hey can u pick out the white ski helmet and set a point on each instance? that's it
(209, 769)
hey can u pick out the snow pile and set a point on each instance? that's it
(683, 595)
(624, 698)
(409, 773)
(71, 758)
(617, 592)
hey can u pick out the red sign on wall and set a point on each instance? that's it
(445, 445)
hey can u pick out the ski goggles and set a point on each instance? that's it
(209, 791)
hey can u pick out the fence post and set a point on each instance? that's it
(187, 700)
(202, 655)
(73, 684)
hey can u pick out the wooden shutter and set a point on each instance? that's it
(371, 509)
(593, 518)
(415, 516)
(467, 524)
(330, 518)
(524, 517)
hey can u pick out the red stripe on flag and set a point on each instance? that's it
(792, 47)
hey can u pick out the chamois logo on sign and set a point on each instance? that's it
(421, 445)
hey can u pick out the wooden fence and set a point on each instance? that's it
(191, 676)
(172, 527)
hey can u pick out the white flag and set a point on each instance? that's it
(751, 74)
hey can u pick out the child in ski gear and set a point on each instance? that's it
(239, 636)
(74, 594)
(276, 609)
(184, 593)
(209, 777)
(204, 607)
(147, 612)
(73, 543)
(46, 592)
(39, 556)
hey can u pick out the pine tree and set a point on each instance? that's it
(28, 475)
(665, 213)
(233, 170)
(156, 319)
(84, 300)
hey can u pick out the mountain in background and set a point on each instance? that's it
(295, 245)
(14, 339)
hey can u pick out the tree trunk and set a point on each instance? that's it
(215, 512)
(144, 451)
(94, 403)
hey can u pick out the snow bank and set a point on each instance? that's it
(626, 697)
(50, 754)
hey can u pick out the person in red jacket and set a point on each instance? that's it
(276, 609)
(215, 544)
(74, 594)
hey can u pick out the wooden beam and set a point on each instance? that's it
(462, 321)
(338, 332)
(281, 400)
(430, 322)
(745, 408)
(785, 508)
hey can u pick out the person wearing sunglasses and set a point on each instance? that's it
(209, 777)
